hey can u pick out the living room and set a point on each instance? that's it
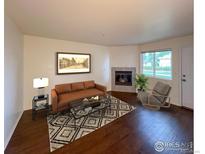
(70, 48)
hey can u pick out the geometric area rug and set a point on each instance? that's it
(63, 131)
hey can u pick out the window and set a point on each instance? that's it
(157, 64)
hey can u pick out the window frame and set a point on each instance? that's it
(154, 67)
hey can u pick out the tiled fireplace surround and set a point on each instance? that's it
(123, 88)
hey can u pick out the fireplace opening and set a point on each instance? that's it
(123, 78)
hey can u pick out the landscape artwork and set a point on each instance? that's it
(73, 63)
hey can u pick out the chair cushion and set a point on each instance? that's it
(155, 101)
(64, 99)
(161, 89)
(63, 88)
(144, 96)
(89, 84)
(77, 86)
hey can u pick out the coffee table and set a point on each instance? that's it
(88, 106)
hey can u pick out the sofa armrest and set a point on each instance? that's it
(54, 100)
(101, 87)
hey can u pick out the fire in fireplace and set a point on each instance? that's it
(123, 78)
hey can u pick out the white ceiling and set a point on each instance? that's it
(104, 22)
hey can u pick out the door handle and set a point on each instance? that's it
(184, 80)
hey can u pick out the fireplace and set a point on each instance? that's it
(123, 78)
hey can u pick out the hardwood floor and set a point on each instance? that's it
(134, 133)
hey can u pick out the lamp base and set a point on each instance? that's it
(41, 96)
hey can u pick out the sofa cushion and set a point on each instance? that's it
(91, 92)
(89, 84)
(77, 86)
(64, 99)
(63, 88)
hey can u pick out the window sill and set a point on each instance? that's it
(157, 78)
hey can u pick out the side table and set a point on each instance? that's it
(36, 107)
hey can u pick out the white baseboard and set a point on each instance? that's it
(12, 131)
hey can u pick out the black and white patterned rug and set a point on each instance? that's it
(63, 131)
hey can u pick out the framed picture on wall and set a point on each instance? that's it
(73, 63)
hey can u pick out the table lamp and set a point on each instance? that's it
(40, 84)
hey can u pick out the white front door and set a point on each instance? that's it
(187, 77)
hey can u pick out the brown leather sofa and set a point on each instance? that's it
(62, 95)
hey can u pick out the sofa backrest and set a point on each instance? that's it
(63, 88)
(89, 84)
(77, 86)
(69, 87)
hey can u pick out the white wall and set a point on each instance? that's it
(123, 56)
(175, 44)
(40, 61)
(13, 78)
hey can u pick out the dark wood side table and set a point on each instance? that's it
(36, 107)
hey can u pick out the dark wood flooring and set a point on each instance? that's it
(134, 133)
